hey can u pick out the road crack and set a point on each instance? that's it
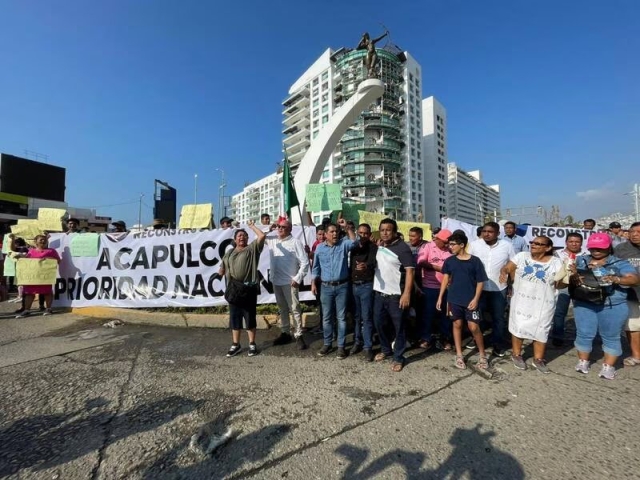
(106, 427)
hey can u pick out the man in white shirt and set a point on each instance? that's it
(494, 254)
(289, 265)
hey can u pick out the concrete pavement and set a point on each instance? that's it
(81, 401)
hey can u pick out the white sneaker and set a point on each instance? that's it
(582, 366)
(607, 372)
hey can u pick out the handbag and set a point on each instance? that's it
(240, 293)
(584, 287)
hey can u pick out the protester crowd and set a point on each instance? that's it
(427, 294)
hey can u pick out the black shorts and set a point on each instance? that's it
(458, 312)
(246, 312)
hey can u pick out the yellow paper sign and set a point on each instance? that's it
(50, 218)
(27, 229)
(374, 220)
(196, 216)
(36, 271)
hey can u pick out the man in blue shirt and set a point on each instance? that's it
(510, 235)
(331, 270)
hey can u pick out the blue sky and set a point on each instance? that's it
(542, 96)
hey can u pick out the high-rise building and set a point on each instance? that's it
(257, 198)
(378, 162)
(434, 144)
(469, 199)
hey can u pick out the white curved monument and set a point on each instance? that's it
(313, 162)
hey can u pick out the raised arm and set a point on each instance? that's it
(260, 236)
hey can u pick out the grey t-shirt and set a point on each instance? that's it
(242, 265)
(631, 253)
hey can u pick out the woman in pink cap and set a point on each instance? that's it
(606, 319)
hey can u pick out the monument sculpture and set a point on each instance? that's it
(371, 60)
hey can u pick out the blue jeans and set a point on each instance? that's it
(560, 315)
(496, 303)
(386, 309)
(363, 301)
(334, 303)
(606, 320)
(431, 315)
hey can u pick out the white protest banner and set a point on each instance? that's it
(156, 268)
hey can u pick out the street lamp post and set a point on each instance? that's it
(221, 207)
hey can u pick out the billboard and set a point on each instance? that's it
(20, 176)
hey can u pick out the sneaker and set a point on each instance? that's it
(48, 311)
(283, 339)
(324, 350)
(41, 309)
(518, 362)
(342, 354)
(23, 314)
(540, 364)
(607, 372)
(499, 352)
(253, 350)
(355, 349)
(20, 310)
(300, 344)
(582, 366)
(471, 345)
(234, 350)
(557, 342)
(368, 355)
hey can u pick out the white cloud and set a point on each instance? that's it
(596, 194)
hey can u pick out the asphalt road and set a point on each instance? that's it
(82, 401)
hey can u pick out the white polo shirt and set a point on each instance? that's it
(493, 258)
(289, 261)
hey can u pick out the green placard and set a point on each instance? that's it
(85, 245)
(5, 244)
(322, 197)
(9, 267)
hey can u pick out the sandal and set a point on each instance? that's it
(459, 363)
(631, 361)
(483, 363)
(381, 357)
(447, 347)
(424, 345)
(397, 366)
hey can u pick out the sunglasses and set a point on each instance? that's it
(281, 226)
(539, 244)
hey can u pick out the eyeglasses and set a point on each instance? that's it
(539, 244)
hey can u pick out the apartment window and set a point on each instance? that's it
(413, 163)
(315, 112)
(410, 77)
(316, 103)
(325, 75)
(420, 197)
(412, 130)
(413, 185)
(325, 119)
(316, 124)
(413, 152)
(413, 195)
(325, 85)
(325, 97)
(315, 134)
(325, 174)
(420, 165)
(413, 142)
(325, 108)
(315, 92)
(315, 82)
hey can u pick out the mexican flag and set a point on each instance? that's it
(288, 197)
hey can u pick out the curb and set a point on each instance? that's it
(141, 317)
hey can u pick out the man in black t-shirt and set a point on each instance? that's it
(362, 270)
(630, 251)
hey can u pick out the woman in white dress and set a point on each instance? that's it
(533, 301)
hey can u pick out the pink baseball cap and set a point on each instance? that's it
(599, 240)
(443, 235)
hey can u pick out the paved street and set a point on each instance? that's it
(81, 401)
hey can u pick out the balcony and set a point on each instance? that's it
(295, 96)
(384, 146)
(295, 157)
(302, 142)
(297, 115)
(296, 136)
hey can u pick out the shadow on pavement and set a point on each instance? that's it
(45, 441)
(473, 457)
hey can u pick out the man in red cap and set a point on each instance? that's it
(430, 260)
